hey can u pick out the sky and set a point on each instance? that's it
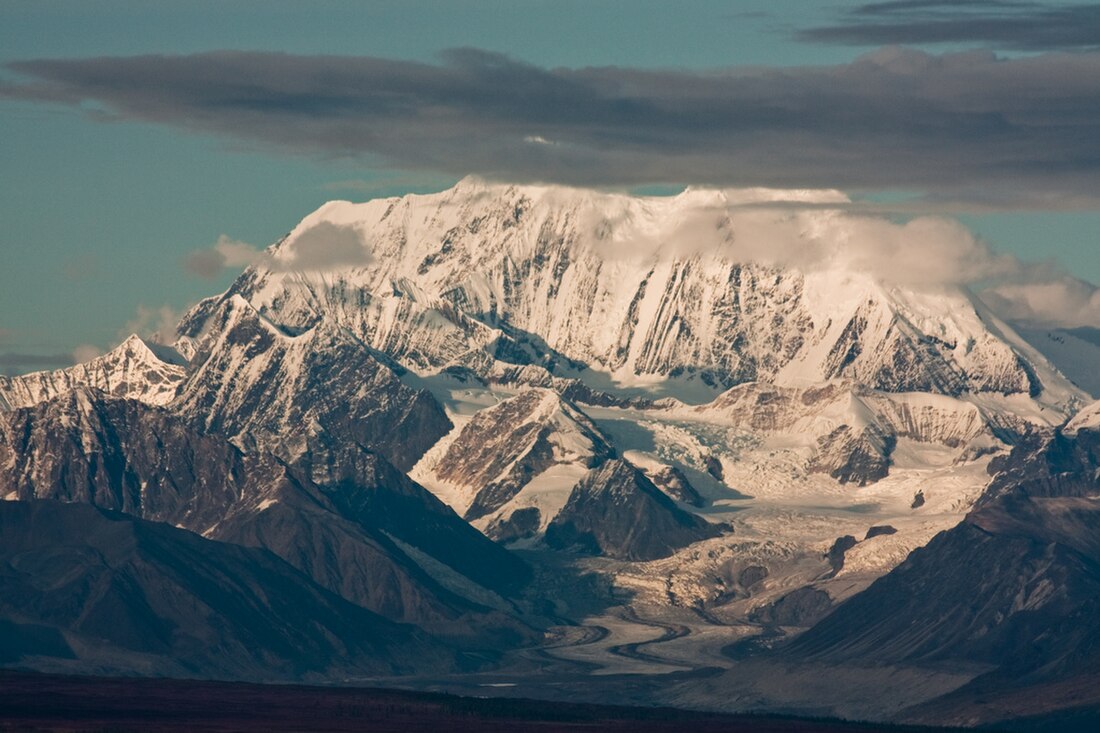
(137, 136)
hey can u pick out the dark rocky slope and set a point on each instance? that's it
(1014, 588)
(84, 446)
(83, 587)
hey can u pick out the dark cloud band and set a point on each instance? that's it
(999, 23)
(970, 126)
(17, 363)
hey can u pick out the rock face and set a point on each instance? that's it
(836, 553)
(860, 457)
(290, 395)
(879, 530)
(85, 446)
(124, 455)
(616, 511)
(567, 279)
(134, 369)
(1050, 463)
(673, 482)
(1014, 586)
(506, 446)
(87, 587)
(801, 607)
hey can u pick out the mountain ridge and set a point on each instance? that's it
(527, 273)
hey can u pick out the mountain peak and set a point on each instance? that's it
(151, 373)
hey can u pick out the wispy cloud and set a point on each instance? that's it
(22, 357)
(321, 247)
(1028, 26)
(224, 254)
(86, 352)
(972, 127)
(1061, 301)
(12, 362)
(156, 324)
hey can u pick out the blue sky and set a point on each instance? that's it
(97, 216)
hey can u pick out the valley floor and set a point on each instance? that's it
(32, 702)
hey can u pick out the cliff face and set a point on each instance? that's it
(616, 511)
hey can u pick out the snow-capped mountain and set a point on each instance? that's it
(1074, 351)
(614, 510)
(853, 430)
(627, 292)
(402, 398)
(293, 395)
(535, 464)
(135, 369)
(1088, 417)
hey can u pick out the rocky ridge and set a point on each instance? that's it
(123, 455)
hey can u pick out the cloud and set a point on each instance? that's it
(85, 352)
(815, 233)
(970, 127)
(1027, 26)
(19, 363)
(226, 253)
(155, 324)
(1064, 302)
(321, 247)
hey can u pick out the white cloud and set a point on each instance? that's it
(86, 352)
(924, 251)
(324, 246)
(1064, 302)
